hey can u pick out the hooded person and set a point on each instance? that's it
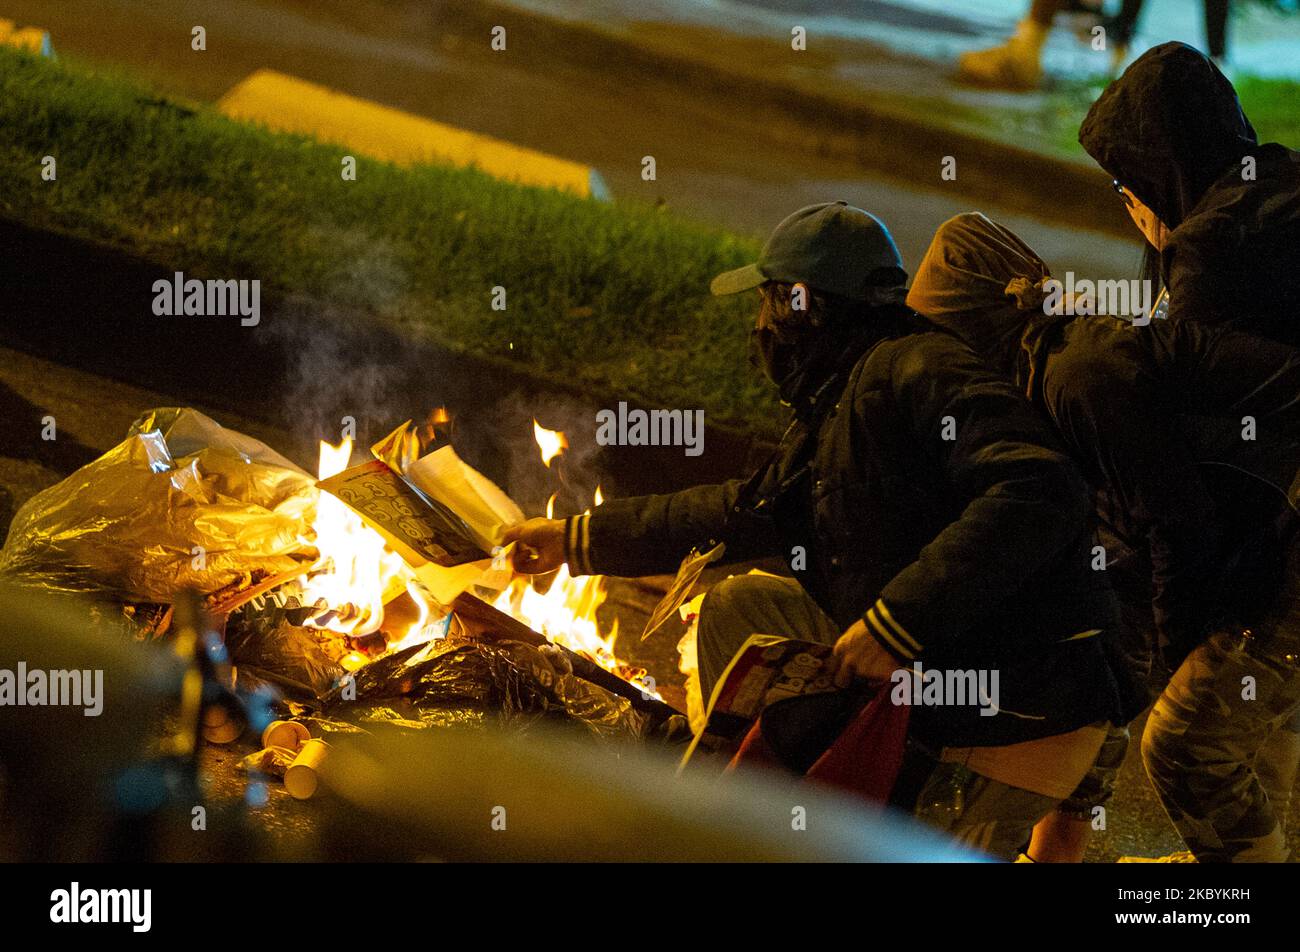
(927, 518)
(1220, 211)
(982, 283)
(1176, 477)
(1198, 520)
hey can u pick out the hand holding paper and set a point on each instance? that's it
(539, 545)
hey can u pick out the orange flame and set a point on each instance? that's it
(551, 442)
(356, 574)
(566, 614)
(357, 577)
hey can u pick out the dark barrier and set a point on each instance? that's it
(90, 306)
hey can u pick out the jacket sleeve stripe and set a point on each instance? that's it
(570, 549)
(898, 629)
(584, 542)
(577, 544)
(884, 635)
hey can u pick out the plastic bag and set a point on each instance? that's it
(468, 682)
(265, 644)
(182, 502)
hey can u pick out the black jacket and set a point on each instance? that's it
(1172, 130)
(933, 503)
(1191, 433)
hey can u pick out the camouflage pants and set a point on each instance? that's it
(1221, 746)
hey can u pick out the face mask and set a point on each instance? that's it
(774, 356)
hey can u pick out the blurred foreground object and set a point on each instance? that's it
(546, 796)
(86, 779)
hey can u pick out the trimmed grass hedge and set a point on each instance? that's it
(612, 297)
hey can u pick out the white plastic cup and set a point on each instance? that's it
(300, 779)
(290, 734)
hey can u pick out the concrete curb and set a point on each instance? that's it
(34, 39)
(285, 103)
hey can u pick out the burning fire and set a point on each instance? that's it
(566, 611)
(551, 442)
(566, 614)
(356, 574)
(357, 579)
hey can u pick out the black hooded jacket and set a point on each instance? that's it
(934, 504)
(1189, 432)
(1172, 130)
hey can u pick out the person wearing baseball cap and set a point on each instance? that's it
(833, 247)
(927, 518)
(834, 263)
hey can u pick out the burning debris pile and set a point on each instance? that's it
(352, 622)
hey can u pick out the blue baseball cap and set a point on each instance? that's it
(831, 247)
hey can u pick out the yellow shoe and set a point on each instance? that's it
(1016, 64)
(1009, 66)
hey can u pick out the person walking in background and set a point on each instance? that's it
(1122, 27)
(1018, 62)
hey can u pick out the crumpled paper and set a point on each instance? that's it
(272, 761)
(181, 503)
